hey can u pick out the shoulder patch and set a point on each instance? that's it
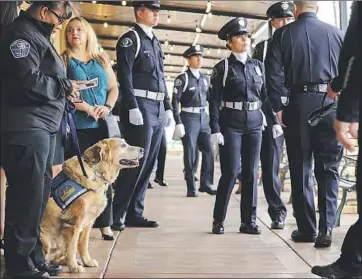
(126, 42)
(20, 48)
(178, 82)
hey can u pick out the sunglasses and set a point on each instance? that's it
(60, 19)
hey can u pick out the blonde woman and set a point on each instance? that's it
(85, 62)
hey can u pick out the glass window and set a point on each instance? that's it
(328, 11)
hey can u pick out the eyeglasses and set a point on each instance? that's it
(60, 19)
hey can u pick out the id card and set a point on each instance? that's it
(89, 84)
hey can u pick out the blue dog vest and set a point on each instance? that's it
(64, 190)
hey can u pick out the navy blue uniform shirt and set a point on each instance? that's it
(144, 72)
(33, 78)
(308, 49)
(189, 92)
(244, 83)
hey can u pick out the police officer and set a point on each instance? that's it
(308, 49)
(236, 122)
(147, 107)
(280, 14)
(33, 91)
(349, 264)
(191, 90)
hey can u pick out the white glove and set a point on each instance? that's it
(264, 121)
(179, 132)
(135, 117)
(277, 131)
(217, 138)
(169, 118)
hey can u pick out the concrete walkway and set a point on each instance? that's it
(183, 246)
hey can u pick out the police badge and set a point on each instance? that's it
(20, 48)
(126, 42)
(178, 82)
(285, 5)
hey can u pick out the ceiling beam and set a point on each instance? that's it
(192, 10)
(158, 27)
(171, 43)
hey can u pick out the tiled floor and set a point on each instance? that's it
(183, 247)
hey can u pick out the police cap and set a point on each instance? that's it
(281, 10)
(147, 4)
(236, 26)
(193, 50)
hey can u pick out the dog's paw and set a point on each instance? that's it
(76, 269)
(91, 263)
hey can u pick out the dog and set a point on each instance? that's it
(64, 232)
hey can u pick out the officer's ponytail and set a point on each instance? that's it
(66, 6)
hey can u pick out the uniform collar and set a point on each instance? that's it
(44, 27)
(241, 57)
(147, 30)
(195, 72)
(307, 14)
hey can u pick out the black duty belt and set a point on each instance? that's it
(318, 88)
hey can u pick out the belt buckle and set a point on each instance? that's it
(322, 87)
(247, 105)
(305, 88)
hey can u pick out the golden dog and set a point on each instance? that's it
(63, 232)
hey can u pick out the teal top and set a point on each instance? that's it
(78, 70)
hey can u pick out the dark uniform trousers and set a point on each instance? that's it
(161, 158)
(241, 146)
(197, 136)
(270, 161)
(302, 140)
(132, 183)
(27, 158)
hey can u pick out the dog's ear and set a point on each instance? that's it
(97, 153)
(93, 154)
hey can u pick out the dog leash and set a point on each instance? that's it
(69, 121)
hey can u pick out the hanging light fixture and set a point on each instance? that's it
(105, 25)
(124, 3)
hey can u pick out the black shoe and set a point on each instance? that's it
(192, 195)
(336, 270)
(298, 236)
(250, 228)
(217, 228)
(208, 189)
(160, 182)
(118, 227)
(324, 239)
(277, 224)
(142, 223)
(35, 273)
(51, 269)
(149, 186)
